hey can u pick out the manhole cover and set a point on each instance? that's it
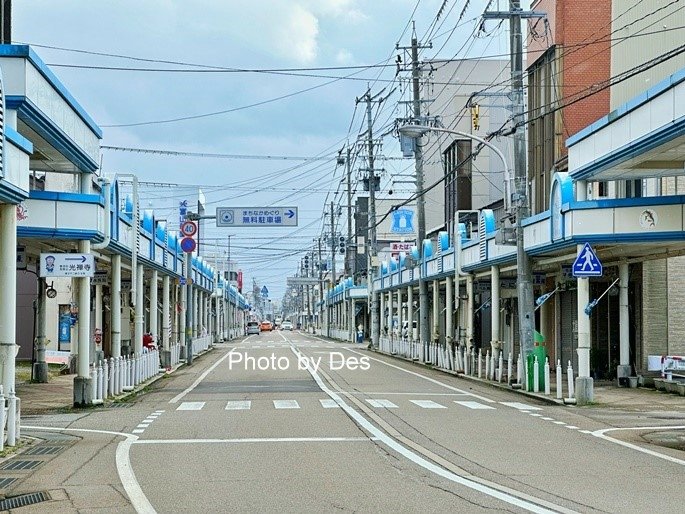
(23, 500)
(18, 465)
(670, 439)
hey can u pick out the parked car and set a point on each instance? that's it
(286, 325)
(252, 328)
(265, 326)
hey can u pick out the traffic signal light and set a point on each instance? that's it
(342, 244)
(306, 261)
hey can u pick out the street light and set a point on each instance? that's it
(525, 284)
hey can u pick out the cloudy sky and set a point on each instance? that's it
(134, 107)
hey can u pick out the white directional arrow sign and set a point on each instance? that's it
(256, 216)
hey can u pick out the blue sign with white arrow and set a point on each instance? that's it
(265, 292)
(587, 264)
(256, 216)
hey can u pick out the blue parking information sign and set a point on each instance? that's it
(587, 264)
(256, 216)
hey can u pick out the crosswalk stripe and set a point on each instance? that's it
(286, 404)
(474, 405)
(382, 404)
(238, 405)
(328, 403)
(427, 404)
(191, 406)
(520, 406)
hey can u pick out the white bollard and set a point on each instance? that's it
(94, 382)
(536, 376)
(519, 370)
(548, 386)
(569, 373)
(500, 365)
(12, 420)
(487, 365)
(467, 368)
(560, 392)
(480, 363)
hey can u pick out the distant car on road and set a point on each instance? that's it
(287, 325)
(265, 326)
(252, 328)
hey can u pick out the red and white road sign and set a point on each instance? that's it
(188, 228)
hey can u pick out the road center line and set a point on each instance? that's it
(176, 398)
(384, 438)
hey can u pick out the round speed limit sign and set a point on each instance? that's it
(188, 228)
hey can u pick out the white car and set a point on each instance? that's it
(287, 325)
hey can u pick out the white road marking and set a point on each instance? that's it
(239, 405)
(547, 419)
(432, 380)
(572, 427)
(427, 404)
(258, 440)
(520, 406)
(123, 462)
(327, 403)
(535, 415)
(382, 404)
(143, 425)
(558, 422)
(138, 430)
(474, 405)
(602, 435)
(176, 398)
(286, 404)
(191, 406)
(149, 419)
(586, 431)
(391, 443)
(160, 412)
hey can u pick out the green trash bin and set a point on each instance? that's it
(541, 353)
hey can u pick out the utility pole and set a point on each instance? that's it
(424, 330)
(349, 255)
(371, 225)
(6, 21)
(333, 248)
(321, 297)
(526, 307)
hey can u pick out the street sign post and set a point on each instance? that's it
(587, 264)
(256, 216)
(188, 244)
(67, 265)
(265, 292)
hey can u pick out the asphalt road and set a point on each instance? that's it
(327, 427)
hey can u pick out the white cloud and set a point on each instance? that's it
(298, 35)
(344, 57)
(346, 9)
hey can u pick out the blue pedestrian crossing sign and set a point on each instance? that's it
(265, 292)
(587, 264)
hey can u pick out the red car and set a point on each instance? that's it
(265, 326)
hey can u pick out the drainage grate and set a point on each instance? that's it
(4, 482)
(17, 465)
(23, 500)
(120, 405)
(45, 450)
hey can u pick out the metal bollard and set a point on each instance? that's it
(94, 382)
(500, 365)
(480, 362)
(101, 384)
(569, 373)
(560, 392)
(536, 376)
(519, 370)
(487, 365)
(547, 384)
